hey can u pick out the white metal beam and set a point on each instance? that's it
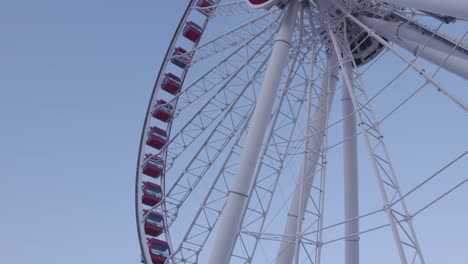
(231, 217)
(303, 188)
(350, 159)
(412, 64)
(420, 44)
(402, 229)
(455, 8)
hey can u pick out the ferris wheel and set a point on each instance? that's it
(264, 111)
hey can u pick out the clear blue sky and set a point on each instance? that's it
(75, 78)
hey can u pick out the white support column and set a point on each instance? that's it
(409, 240)
(430, 49)
(453, 64)
(351, 190)
(402, 30)
(455, 8)
(233, 211)
(315, 142)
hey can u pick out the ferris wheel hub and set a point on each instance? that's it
(363, 47)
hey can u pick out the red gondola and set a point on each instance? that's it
(192, 31)
(159, 251)
(163, 110)
(171, 83)
(157, 137)
(154, 224)
(267, 4)
(180, 57)
(204, 5)
(152, 194)
(153, 166)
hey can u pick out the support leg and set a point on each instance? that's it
(397, 214)
(351, 199)
(231, 217)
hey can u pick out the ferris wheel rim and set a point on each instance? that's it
(190, 7)
(138, 181)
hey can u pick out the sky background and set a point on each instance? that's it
(75, 79)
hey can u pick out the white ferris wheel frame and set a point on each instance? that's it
(440, 51)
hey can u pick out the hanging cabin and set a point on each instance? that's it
(153, 166)
(180, 57)
(157, 137)
(192, 31)
(171, 83)
(163, 110)
(152, 194)
(154, 224)
(204, 6)
(159, 251)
